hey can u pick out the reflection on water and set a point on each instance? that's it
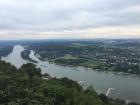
(15, 57)
(126, 87)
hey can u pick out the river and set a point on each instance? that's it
(124, 86)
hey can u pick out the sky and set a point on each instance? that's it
(69, 19)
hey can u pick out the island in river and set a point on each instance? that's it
(105, 55)
(126, 86)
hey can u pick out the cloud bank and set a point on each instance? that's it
(69, 18)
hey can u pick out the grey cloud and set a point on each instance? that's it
(53, 15)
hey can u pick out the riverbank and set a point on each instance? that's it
(89, 65)
(100, 80)
(97, 55)
(43, 89)
(25, 55)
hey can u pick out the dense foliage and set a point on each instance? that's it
(5, 49)
(26, 86)
(25, 55)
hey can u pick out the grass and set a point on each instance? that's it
(75, 61)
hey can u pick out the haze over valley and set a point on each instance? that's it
(69, 52)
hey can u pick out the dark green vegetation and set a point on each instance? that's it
(27, 87)
(25, 55)
(108, 55)
(5, 49)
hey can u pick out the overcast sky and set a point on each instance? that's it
(39, 19)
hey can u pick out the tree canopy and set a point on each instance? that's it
(25, 86)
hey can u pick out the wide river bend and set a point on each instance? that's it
(125, 86)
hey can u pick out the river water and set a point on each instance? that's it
(126, 86)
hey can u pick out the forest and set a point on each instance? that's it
(27, 86)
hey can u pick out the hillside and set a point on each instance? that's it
(25, 86)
